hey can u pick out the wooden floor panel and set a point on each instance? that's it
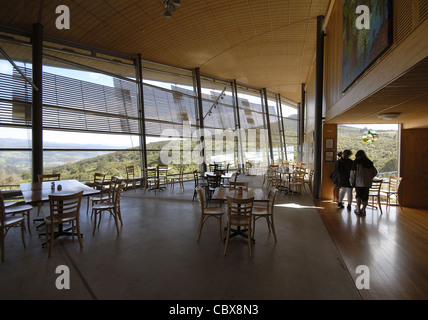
(394, 246)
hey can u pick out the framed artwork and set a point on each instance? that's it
(329, 156)
(329, 143)
(367, 33)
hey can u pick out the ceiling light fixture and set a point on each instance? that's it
(170, 6)
(389, 115)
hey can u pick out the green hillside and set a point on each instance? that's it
(383, 152)
(14, 165)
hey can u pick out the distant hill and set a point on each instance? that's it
(383, 152)
(82, 165)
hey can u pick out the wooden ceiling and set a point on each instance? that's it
(263, 43)
(407, 95)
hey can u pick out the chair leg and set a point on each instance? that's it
(250, 246)
(94, 212)
(378, 203)
(2, 245)
(273, 227)
(227, 238)
(116, 221)
(220, 224)
(79, 236)
(201, 224)
(22, 234)
(51, 240)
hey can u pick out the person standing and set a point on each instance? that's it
(343, 170)
(333, 178)
(361, 177)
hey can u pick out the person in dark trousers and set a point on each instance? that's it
(361, 177)
(343, 171)
(333, 178)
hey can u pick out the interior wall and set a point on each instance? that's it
(414, 169)
(329, 157)
(409, 47)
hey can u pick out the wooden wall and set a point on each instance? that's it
(329, 132)
(414, 168)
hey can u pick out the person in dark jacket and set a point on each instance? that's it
(333, 178)
(361, 177)
(343, 171)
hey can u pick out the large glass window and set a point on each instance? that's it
(253, 126)
(15, 114)
(93, 121)
(383, 151)
(218, 112)
(90, 116)
(170, 117)
(290, 120)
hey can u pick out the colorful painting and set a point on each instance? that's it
(367, 33)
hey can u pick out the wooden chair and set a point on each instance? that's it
(63, 209)
(8, 222)
(22, 209)
(239, 214)
(163, 174)
(266, 212)
(374, 192)
(297, 181)
(113, 207)
(235, 185)
(151, 179)
(99, 183)
(213, 182)
(393, 188)
(131, 178)
(208, 212)
(178, 178)
(43, 178)
(309, 179)
(213, 167)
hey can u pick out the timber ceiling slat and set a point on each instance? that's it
(264, 43)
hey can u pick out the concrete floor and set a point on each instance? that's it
(156, 256)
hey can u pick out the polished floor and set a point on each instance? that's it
(156, 255)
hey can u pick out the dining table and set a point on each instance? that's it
(259, 195)
(36, 192)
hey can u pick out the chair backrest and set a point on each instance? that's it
(49, 177)
(99, 179)
(114, 181)
(201, 198)
(196, 177)
(273, 192)
(235, 185)
(65, 205)
(299, 174)
(118, 194)
(129, 172)
(240, 210)
(219, 171)
(162, 166)
(213, 167)
(213, 181)
(394, 183)
(150, 173)
(376, 185)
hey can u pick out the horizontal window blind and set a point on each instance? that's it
(71, 104)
